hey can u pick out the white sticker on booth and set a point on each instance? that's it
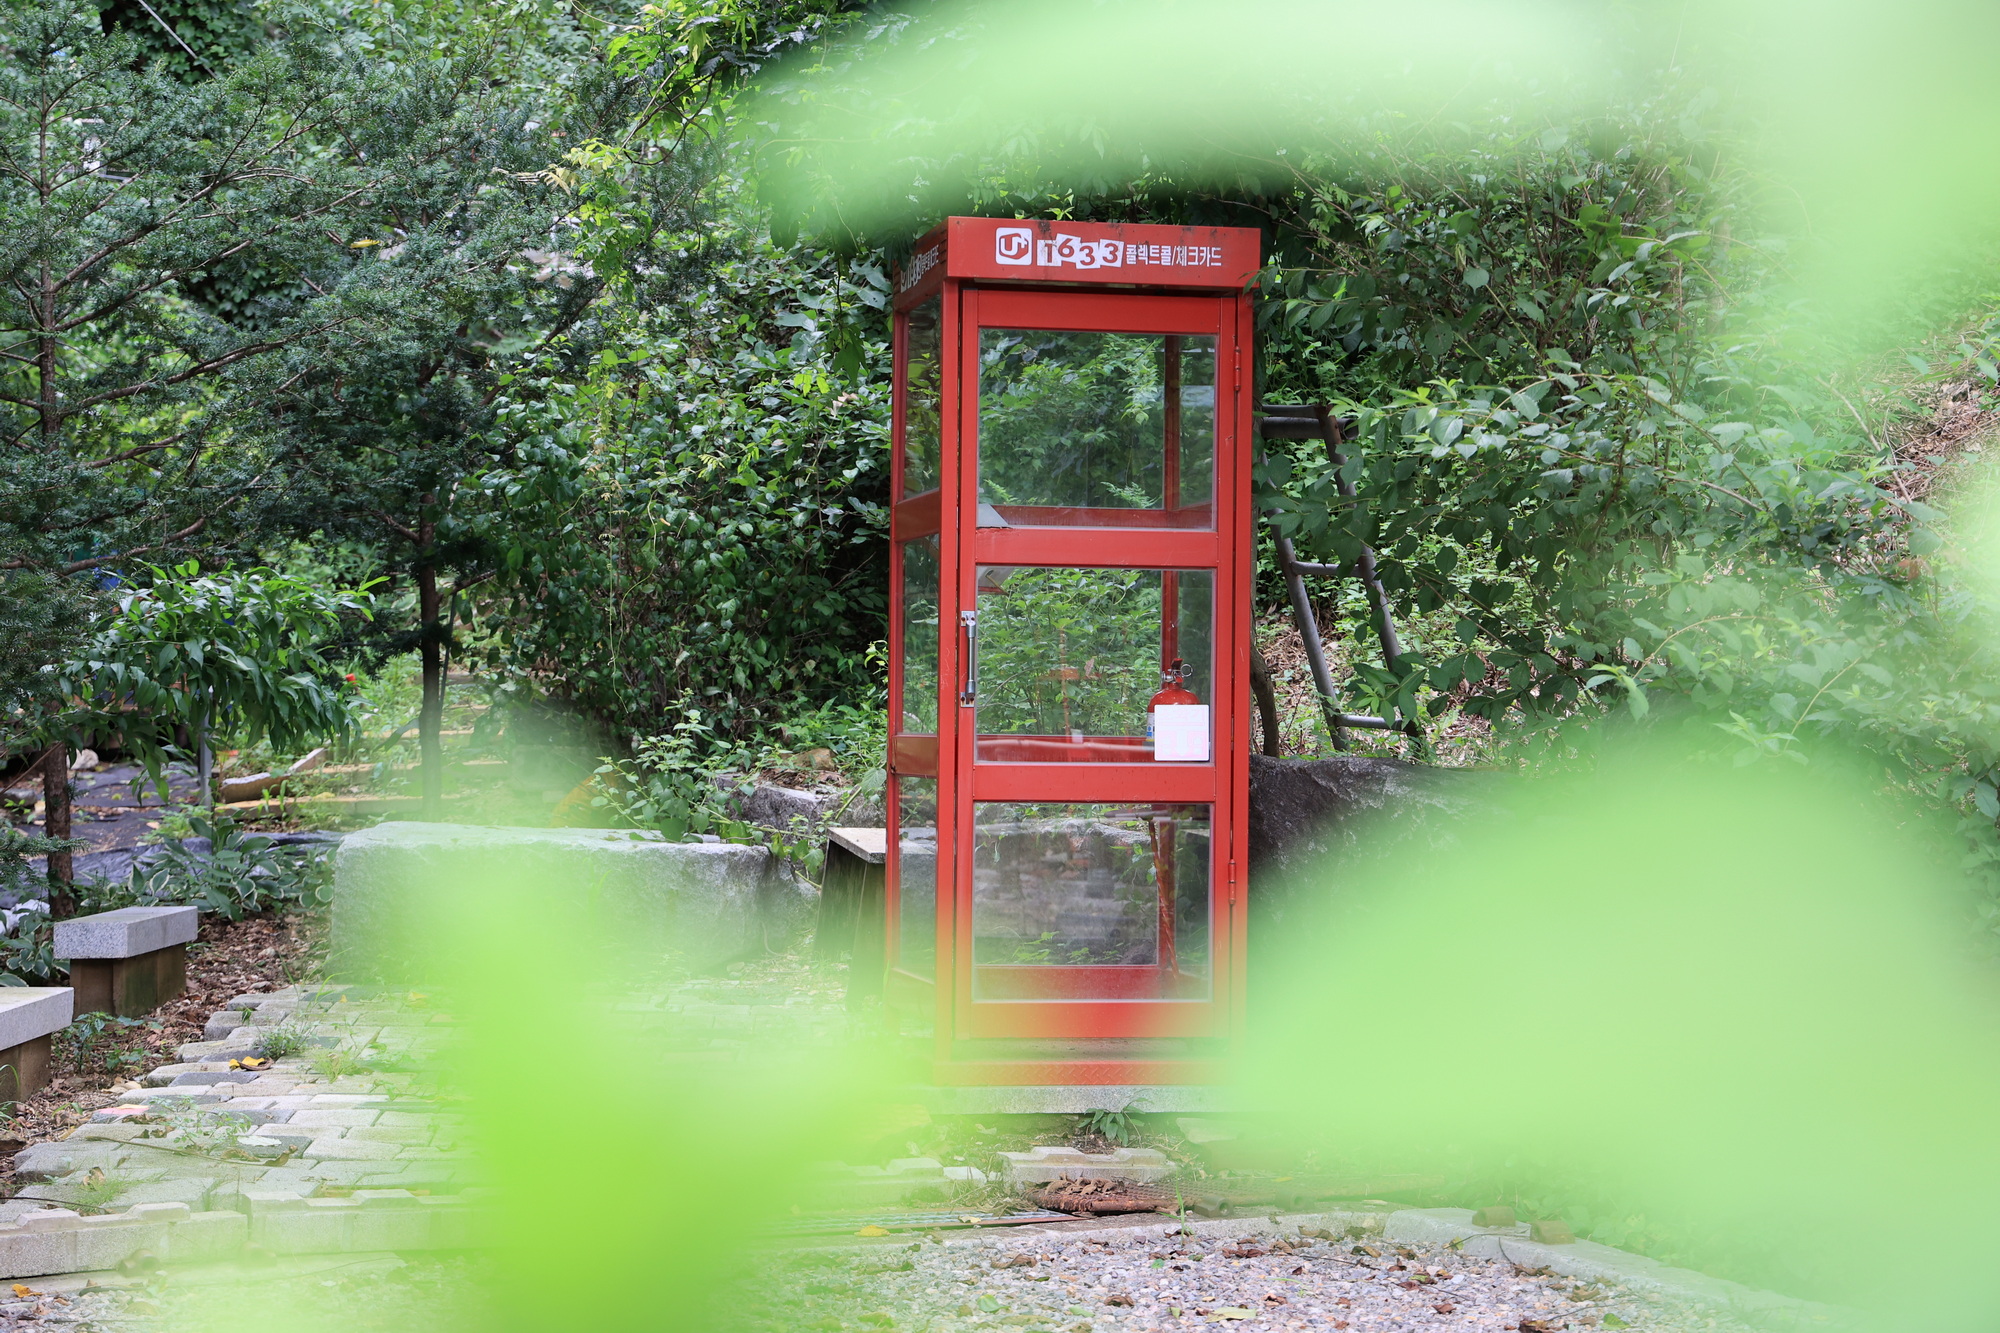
(1180, 733)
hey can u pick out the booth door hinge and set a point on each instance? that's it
(1232, 880)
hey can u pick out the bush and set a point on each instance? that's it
(244, 874)
(696, 521)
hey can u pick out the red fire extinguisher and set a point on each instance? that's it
(1173, 690)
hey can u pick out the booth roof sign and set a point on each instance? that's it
(1112, 252)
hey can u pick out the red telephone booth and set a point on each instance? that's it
(1070, 650)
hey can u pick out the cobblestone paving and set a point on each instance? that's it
(345, 1112)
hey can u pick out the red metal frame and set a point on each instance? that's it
(965, 265)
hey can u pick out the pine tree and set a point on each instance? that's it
(356, 193)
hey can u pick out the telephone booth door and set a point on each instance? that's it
(1071, 630)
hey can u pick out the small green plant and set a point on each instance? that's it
(96, 1039)
(1111, 1126)
(337, 1061)
(670, 785)
(286, 1039)
(96, 1191)
(197, 1128)
(236, 651)
(27, 955)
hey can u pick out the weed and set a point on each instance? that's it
(96, 1191)
(1110, 1126)
(201, 1130)
(288, 1038)
(99, 1037)
(337, 1061)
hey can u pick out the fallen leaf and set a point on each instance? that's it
(1119, 1298)
(1613, 1321)
(1274, 1298)
(361, 245)
(1444, 1307)
(1234, 1312)
(989, 1304)
(23, 1290)
(872, 1230)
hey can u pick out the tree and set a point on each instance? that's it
(243, 653)
(389, 442)
(126, 198)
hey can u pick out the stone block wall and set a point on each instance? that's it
(708, 903)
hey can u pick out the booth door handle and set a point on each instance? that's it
(968, 622)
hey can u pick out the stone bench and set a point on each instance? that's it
(128, 962)
(851, 922)
(29, 1017)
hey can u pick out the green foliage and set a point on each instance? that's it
(696, 521)
(670, 786)
(195, 1127)
(28, 955)
(100, 1042)
(96, 1191)
(287, 1039)
(1111, 1126)
(244, 874)
(16, 876)
(331, 1062)
(188, 37)
(1064, 650)
(1076, 419)
(372, 188)
(242, 653)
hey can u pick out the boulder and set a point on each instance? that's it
(706, 903)
(771, 806)
(1307, 815)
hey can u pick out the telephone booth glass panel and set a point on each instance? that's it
(1090, 429)
(923, 399)
(1068, 662)
(917, 858)
(920, 637)
(1095, 901)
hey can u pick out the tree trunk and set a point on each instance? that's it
(1266, 696)
(56, 826)
(430, 719)
(204, 763)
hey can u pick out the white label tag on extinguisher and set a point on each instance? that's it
(1180, 733)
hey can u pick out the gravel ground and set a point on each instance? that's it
(1140, 1283)
(1145, 1283)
